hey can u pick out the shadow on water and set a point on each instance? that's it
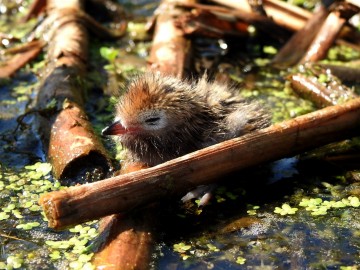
(242, 226)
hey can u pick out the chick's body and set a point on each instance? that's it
(160, 117)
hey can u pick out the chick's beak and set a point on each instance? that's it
(114, 129)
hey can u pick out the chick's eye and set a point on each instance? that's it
(152, 120)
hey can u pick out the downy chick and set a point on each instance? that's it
(160, 117)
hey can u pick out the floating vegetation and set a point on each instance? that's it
(240, 260)
(252, 209)
(182, 249)
(285, 209)
(270, 235)
(22, 221)
(319, 207)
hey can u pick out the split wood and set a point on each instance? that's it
(175, 177)
(170, 51)
(129, 242)
(301, 40)
(320, 94)
(324, 38)
(286, 15)
(218, 20)
(66, 132)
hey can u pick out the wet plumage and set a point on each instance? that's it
(161, 117)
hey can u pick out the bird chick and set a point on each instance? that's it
(159, 117)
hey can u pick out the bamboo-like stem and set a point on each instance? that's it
(170, 52)
(301, 40)
(175, 177)
(66, 131)
(320, 94)
(286, 15)
(324, 38)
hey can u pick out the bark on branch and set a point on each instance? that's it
(170, 51)
(283, 14)
(71, 142)
(125, 192)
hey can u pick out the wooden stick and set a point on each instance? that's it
(130, 245)
(237, 17)
(286, 15)
(175, 177)
(170, 52)
(329, 31)
(324, 38)
(320, 94)
(20, 57)
(66, 131)
(301, 40)
(344, 73)
(205, 23)
(129, 238)
(36, 7)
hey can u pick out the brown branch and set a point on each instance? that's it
(126, 192)
(170, 52)
(324, 38)
(129, 237)
(320, 94)
(232, 19)
(329, 31)
(344, 73)
(129, 243)
(72, 144)
(20, 56)
(283, 14)
(295, 48)
(203, 23)
(35, 9)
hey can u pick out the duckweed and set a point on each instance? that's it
(252, 209)
(109, 53)
(270, 50)
(4, 215)
(212, 247)
(222, 194)
(354, 267)
(21, 210)
(319, 207)
(28, 226)
(240, 260)
(285, 209)
(55, 255)
(354, 201)
(181, 247)
(14, 262)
